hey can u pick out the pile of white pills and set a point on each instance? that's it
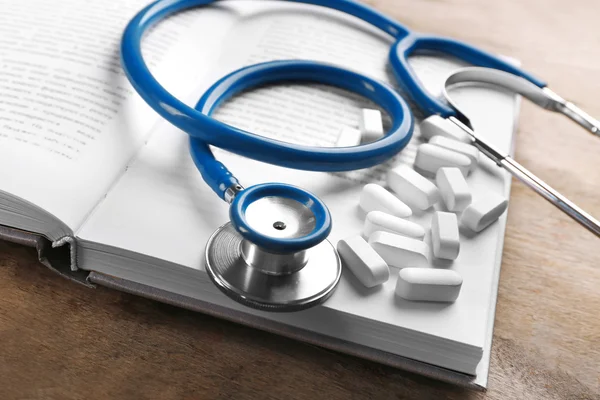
(388, 239)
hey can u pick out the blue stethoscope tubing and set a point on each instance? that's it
(252, 283)
(205, 130)
(290, 155)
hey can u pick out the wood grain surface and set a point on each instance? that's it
(62, 341)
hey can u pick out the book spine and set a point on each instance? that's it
(56, 257)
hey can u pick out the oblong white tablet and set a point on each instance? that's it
(348, 137)
(376, 198)
(444, 235)
(481, 213)
(438, 126)
(462, 148)
(400, 251)
(378, 221)
(370, 125)
(364, 262)
(428, 284)
(454, 189)
(430, 158)
(412, 187)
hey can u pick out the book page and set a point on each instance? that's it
(69, 119)
(162, 209)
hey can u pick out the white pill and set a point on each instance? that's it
(462, 148)
(364, 262)
(376, 198)
(482, 212)
(428, 284)
(400, 251)
(453, 188)
(444, 235)
(438, 126)
(412, 187)
(370, 125)
(348, 137)
(430, 158)
(379, 221)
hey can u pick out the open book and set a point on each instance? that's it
(85, 163)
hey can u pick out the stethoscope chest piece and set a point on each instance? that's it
(273, 255)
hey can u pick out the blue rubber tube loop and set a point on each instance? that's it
(211, 131)
(219, 178)
(297, 156)
(192, 121)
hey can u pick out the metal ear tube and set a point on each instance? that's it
(546, 99)
(571, 111)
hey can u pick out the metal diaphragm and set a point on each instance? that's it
(271, 281)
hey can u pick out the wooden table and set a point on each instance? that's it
(62, 341)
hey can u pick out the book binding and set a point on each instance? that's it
(57, 259)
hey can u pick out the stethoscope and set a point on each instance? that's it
(274, 254)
